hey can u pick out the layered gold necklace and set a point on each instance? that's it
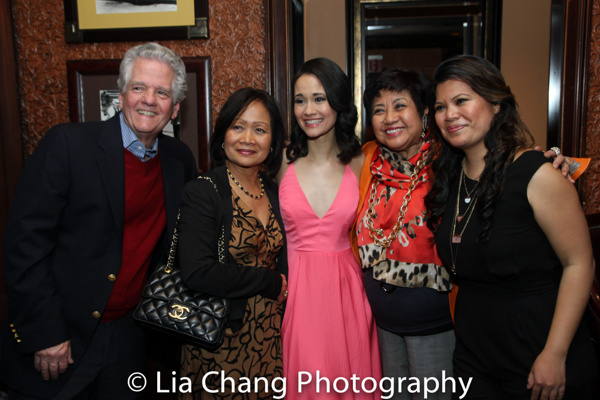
(377, 234)
(456, 238)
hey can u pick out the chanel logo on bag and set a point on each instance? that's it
(179, 312)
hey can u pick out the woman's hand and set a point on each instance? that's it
(284, 290)
(547, 377)
(558, 163)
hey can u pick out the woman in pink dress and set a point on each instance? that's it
(329, 336)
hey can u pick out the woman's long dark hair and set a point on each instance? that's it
(235, 105)
(507, 134)
(339, 96)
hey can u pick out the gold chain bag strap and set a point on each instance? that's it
(171, 307)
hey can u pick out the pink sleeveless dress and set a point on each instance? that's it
(328, 330)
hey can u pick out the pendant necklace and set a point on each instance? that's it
(456, 238)
(469, 192)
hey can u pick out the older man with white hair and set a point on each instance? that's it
(95, 204)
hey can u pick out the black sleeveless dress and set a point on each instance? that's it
(507, 293)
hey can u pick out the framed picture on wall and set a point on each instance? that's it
(94, 96)
(135, 20)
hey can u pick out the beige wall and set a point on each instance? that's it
(325, 30)
(525, 59)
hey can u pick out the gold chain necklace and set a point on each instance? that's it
(262, 186)
(457, 238)
(376, 234)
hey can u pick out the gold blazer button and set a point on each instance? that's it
(112, 278)
(96, 314)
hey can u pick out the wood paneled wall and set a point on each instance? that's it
(590, 181)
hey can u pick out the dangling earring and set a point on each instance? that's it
(271, 150)
(223, 146)
(424, 131)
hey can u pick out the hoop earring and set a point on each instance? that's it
(223, 146)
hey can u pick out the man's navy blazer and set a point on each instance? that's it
(64, 238)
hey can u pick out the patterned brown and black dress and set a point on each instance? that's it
(255, 351)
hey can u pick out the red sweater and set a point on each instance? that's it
(145, 219)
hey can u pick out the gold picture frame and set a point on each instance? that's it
(127, 15)
(83, 24)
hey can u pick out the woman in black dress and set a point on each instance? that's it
(512, 231)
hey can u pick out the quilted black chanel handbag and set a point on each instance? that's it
(171, 307)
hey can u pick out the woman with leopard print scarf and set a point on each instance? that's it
(406, 284)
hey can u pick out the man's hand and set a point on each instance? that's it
(53, 361)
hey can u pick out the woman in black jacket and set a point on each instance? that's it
(231, 244)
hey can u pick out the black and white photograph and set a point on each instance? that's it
(109, 104)
(109, 107)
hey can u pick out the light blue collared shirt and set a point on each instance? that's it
(133, 144)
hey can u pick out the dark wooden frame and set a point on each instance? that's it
(195, 111)
(11, 143)
(569, 49)
(278, 67)
(75, 35)
(570, 35)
